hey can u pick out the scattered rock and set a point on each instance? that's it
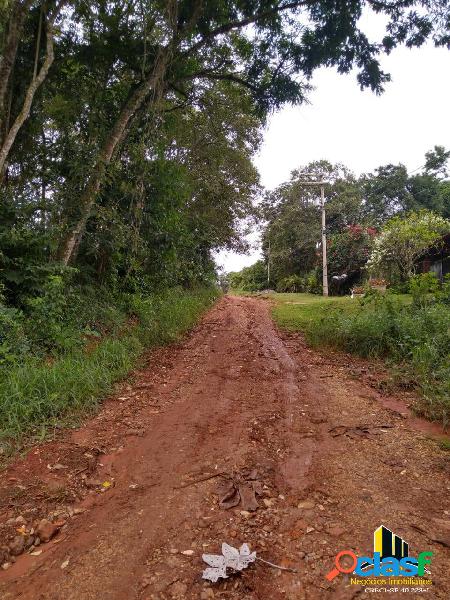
(336, 531)
(46, 530)
(17, 546)
(187, 552)
(203, 523)
(29, 541)
(6, 565)
(306, 504)
(21, 520)
(4, 554)
(179, 589)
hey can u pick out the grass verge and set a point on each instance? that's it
(36, 397)
(414, 339)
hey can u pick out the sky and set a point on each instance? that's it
(343, 124)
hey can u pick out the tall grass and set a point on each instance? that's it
(414, 337)
(35, 396)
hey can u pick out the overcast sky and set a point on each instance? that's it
(359, 129)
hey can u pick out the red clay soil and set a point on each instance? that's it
(135, 491)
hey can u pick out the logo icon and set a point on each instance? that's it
(390, 559)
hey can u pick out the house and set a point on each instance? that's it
(437, 260)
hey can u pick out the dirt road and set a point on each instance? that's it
(136, 490)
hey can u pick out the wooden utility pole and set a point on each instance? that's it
(322, 185)
(324, 242)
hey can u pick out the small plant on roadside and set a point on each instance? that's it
(423, 288)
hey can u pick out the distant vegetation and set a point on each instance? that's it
(372, 222)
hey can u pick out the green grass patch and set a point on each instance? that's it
(413, 338)
(36, 396)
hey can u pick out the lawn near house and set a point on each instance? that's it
(413, 339)
(300, 311)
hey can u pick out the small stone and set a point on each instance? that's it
(203, 523)
(17, 546)
(29, 541)
(46, 530)
(187, 552)
(179, 589)
(310, 529)
(336, 531)
(245, 514)
(233, 533)
(21, 520)
(306, 504)
(268, 502)
(173, 551)
(6, 565)
(206, 594)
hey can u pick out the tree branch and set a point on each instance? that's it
(243, 23)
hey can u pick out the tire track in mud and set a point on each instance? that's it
(237, 395)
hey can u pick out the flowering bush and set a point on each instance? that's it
(403, 240)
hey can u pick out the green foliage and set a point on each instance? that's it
(250, 279)
(415, 337)
(403, 240)
(37, 395)
(293, 283)
(348, 252)
(423, 288)
(13, 341)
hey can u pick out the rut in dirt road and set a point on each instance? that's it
(238, 400)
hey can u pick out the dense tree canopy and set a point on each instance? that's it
(357, 208)
(127, 128)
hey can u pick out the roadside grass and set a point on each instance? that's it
(413, 339)
(38, 396)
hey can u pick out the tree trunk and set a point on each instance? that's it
(9, 53)
(29, 96)
(69, 245)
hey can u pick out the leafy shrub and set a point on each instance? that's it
(46, 315)
(291, 284)
(423, 288)
(13, 341)
(313, 282)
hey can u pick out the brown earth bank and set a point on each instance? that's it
(238, 411)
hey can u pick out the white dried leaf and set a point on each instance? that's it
(245, 556)
(214, 574)
(231, 558)
(214, 560)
